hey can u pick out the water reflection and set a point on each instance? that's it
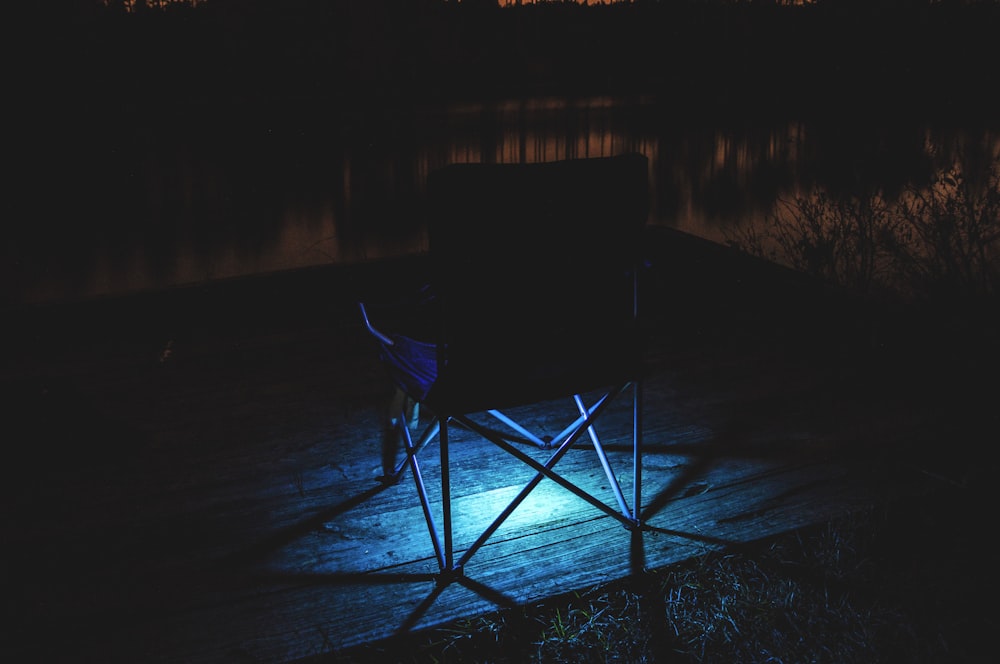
(212, 197)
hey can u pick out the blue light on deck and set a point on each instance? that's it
(545, 502)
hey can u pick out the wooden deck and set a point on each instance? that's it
(192, 476)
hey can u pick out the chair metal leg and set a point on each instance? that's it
(521, 430)
(425, 438)
(418, 479)
(439, 426)
(637, 451)
(565, 433)
(543, 471)
(449, 545)
(612, 480)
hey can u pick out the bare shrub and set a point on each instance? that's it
(949, 240)
(839, 241)
(941, 240)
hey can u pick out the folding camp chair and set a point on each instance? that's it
(533, 296)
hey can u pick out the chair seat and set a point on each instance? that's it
(501, 374)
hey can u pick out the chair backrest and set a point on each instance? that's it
(528, 251)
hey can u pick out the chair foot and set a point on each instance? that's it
(389, 477)
(634, 525)
(448, 576)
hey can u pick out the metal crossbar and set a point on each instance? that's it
(442, 541)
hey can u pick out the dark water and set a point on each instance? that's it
(212, 195)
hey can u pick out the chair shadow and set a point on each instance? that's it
(739, 439)
(230, 565)
(288, 535)
(488, 593)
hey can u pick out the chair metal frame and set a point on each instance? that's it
(444, 417)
